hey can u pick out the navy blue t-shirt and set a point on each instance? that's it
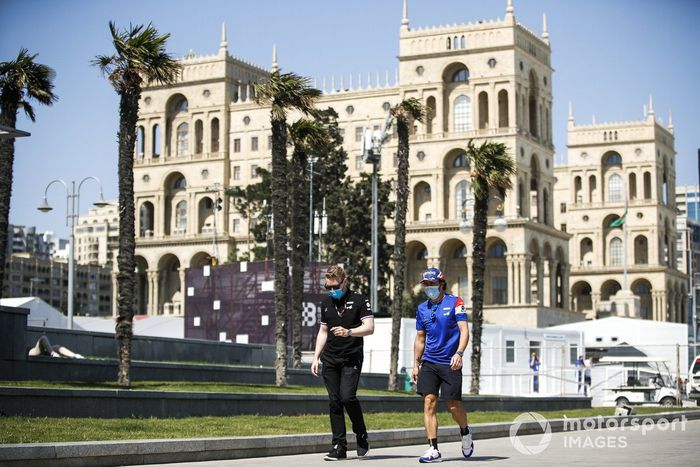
(439, 321)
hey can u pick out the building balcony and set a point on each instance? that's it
(164, 160)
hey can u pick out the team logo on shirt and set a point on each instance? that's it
(459, 307)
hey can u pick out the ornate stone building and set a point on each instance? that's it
(484, 80)
(613, 169)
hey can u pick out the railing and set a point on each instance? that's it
(162, 159)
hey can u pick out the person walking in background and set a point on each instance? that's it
(579, 372)
(535, 367)
(442, 335)
(587, 376)
(346, 316)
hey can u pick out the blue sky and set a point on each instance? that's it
(608, 56)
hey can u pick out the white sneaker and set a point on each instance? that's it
(78, 356)
(430, 456)
(467, 444)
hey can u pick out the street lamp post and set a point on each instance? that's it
(499, 224)
(312, 161)
(372, 141)
(72, 213)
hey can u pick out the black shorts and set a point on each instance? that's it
(434, 378)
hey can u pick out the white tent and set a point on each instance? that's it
(153, 326)
(41, 314)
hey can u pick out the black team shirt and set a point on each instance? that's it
(348, 312)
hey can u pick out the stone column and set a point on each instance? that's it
(156, 292)
(511, 279)
(539, 264)
(183, 291)
(552, 284)
(565, 278)
(525, 266)
(595, 299)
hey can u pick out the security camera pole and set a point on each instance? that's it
(372, 141)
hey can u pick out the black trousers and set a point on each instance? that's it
(341, 377)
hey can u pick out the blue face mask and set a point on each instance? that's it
(336, 294)
(432, 291)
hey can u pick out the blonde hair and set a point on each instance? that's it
(336, 272)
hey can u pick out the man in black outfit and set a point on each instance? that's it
(348, 316)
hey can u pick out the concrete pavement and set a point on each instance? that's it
(657, 445)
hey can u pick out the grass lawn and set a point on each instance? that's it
(44, 430)
(194, 387)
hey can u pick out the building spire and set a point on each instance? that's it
(651, 105)
(404, 18)
(545, 32)
(509, 12)
(275, 66)
(571, 112)
(670, 121)
(224, 43)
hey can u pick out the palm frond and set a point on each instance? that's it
(286, 91)
(409, 109)
(24, 79)
(305, 133)
(491, 168)
(140, 57)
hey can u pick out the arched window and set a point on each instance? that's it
(497, 251)
(156, 141)
(461, 193)
(463, 114)
(462, 42)
(140, 142)
(455, 42)
(633, 186)
(647, 185)
(460, 161)
(422, 254)
(146, 219)
(641, 250)
(181, 216)
(578, 197)
(183, 131)
(198, 137)
(616, 252)
(615, 188)
(180, 183)
(449, 43)
(483, 110)
(460, 76)
(612, 159)
(502, 108)
(214, 135)
(181, 105)
(460, 252)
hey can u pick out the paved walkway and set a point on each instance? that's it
(653, 446)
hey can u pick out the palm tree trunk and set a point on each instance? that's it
(128, 116)
(399, 249)
(478, 268)
(298, 218)
(8, 117)
(279, 209)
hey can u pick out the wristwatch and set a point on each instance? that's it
(460, 353)
(349, 332)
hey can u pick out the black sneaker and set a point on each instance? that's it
(336, 453)
(362, 445)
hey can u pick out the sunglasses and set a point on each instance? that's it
(332, 287)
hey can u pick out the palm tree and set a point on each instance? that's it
(21, 80)
(305, 135)
(405, 113)
(491, 170)
(140, 59)
(282, 92)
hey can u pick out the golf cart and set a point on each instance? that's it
(647, 382)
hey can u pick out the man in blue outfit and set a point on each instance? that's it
(442, 335)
